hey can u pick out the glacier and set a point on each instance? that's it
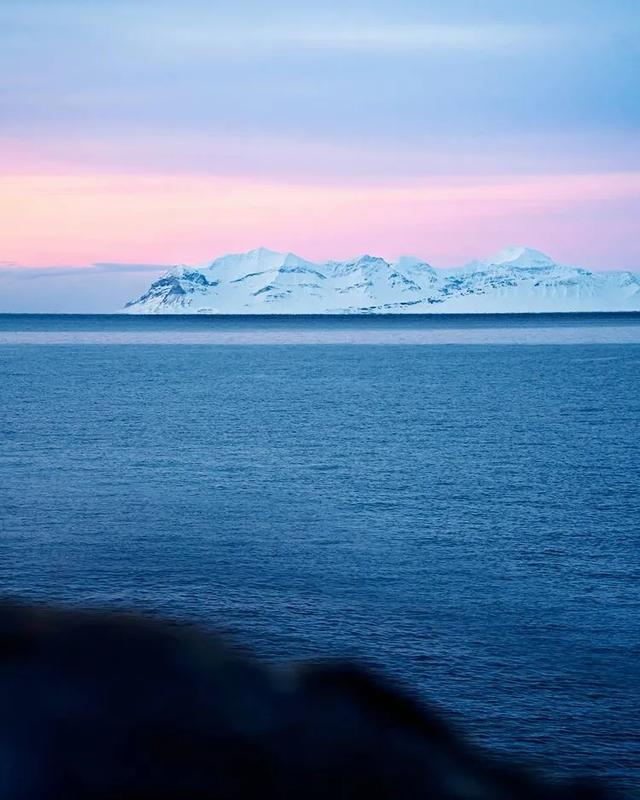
(262, 281)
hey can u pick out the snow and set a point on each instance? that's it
(261, 281)
(520, 257)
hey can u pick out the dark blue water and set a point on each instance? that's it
(464, 515)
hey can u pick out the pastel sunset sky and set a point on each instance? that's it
(152, 133)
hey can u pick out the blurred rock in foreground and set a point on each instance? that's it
(96, 705)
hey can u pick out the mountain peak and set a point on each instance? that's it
(259, 260)
(261, 252)
(518, 256)
(365, 258)
(411, 263)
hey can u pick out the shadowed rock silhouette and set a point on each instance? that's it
(103, 705)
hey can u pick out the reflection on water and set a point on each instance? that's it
(251, 330)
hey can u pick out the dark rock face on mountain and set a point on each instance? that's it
(112, 706)
(177, 288)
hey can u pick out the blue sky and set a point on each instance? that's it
(388, 73)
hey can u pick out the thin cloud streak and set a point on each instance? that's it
(9, 269)
(192, 40)
(318, 160)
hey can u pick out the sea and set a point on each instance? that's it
(452, 500)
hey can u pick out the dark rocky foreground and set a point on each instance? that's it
(98, 705)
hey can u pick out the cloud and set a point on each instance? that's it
(182, 39)
(118, 267)
(96, 288)
(237, 79)
(10, 269)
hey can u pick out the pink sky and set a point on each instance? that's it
(178, 131)
(54, 216)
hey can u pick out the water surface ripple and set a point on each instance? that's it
(465, 516)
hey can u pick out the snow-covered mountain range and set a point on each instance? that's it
(517, 279)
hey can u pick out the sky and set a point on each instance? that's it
(163, 132)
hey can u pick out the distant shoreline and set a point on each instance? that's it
(443, 317)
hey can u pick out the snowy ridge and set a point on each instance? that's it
(517, 279)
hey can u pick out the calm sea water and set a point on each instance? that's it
(454, 499)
